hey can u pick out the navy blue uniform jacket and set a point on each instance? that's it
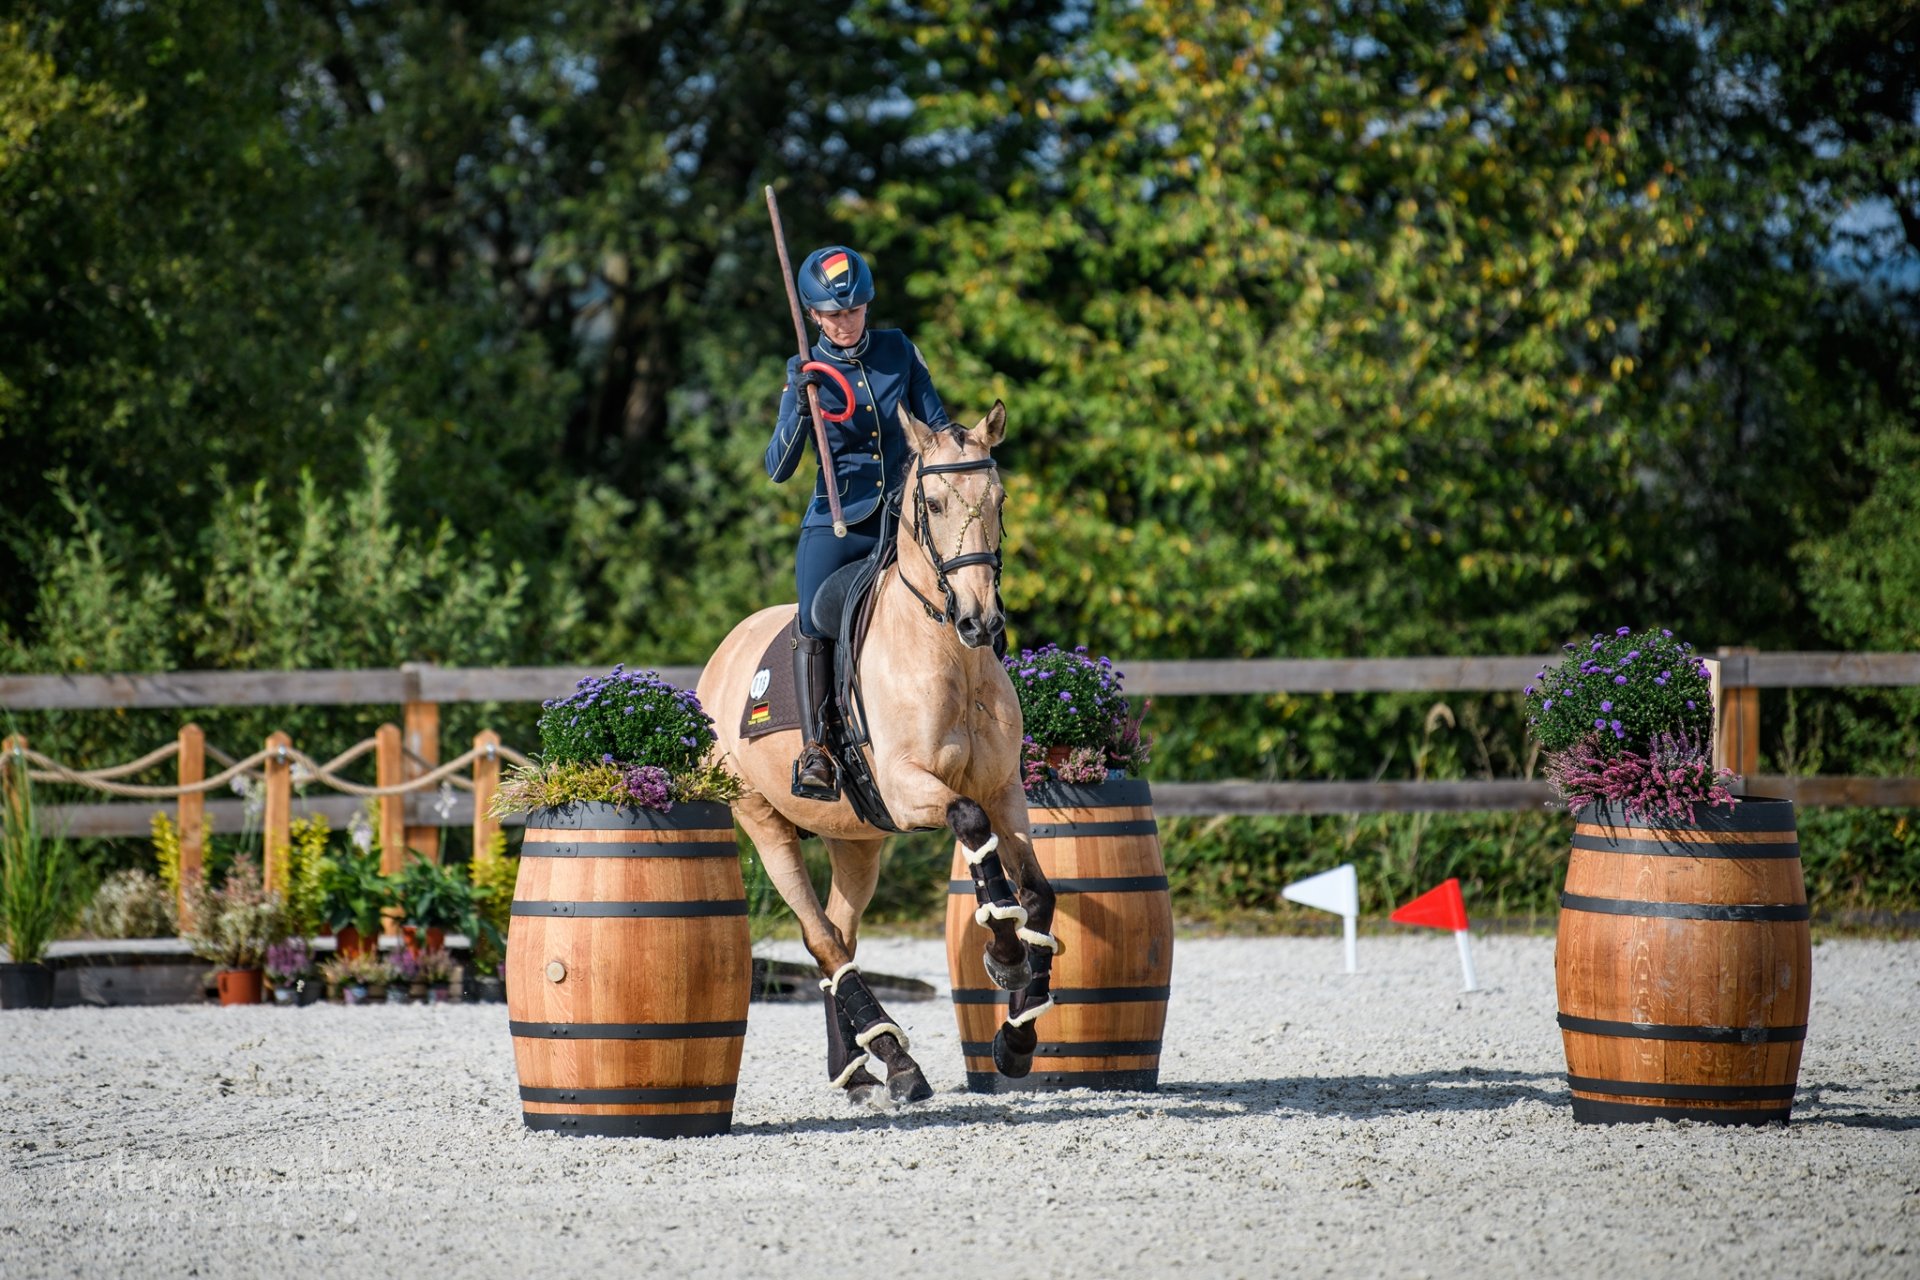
(870, 450)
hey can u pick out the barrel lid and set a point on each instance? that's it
(1127, 793)
(597, 815)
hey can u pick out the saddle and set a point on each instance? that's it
(842, 609)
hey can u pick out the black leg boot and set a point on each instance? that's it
(814, 776)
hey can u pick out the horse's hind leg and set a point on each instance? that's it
(857, 1026)
(856, 870)
(778, 842)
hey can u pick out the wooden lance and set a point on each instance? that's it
(813, 392)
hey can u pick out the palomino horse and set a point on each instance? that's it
(946, 736)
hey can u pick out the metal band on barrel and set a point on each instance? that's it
(1685, 1092)
(632, 910)
(1767, 913)
(1677, 1031)
(1071, 995)
(629, 849)
(1086, 884)
(627, 1030)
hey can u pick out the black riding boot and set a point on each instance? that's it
(813, 772)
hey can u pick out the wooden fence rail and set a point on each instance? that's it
(412, 749)
(422, 683)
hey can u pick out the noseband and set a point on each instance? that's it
(923, 534)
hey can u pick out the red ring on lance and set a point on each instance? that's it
(846, 389)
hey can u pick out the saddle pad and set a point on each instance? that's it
(771, 706)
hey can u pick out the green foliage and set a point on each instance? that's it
(1343, 330)
(494, 878)
(130, 904)
(166, 851)
(431, 896)
(234, 925)
(40, 889)
(307, 875)
(354, 891)
(1620, 690)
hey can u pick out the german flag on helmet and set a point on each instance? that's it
(835, 279)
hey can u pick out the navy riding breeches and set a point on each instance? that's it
(820, 554)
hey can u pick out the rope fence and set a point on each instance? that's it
(267, 781)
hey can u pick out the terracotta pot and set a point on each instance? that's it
(351, 942)
(436, 937)
(240, 986)
(1057, 756)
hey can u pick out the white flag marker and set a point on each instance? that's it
(1337, 891)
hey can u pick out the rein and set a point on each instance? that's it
(923, 534)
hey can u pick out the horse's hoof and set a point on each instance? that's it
(908, 1085)
(1009, 1061)
(1008, 977)
(863, 1088)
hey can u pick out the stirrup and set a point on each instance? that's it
(807, 791)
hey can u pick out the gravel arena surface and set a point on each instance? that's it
(1307, 1123)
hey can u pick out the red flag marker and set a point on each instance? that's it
(1442, 907)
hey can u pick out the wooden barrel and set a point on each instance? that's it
(1684, 966)
(1100, 847)
(628, 970)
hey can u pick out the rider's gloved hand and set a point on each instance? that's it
(800, 379)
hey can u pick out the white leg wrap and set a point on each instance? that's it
(832, 985)
(1028, 1015)
(973, 856)
(1044, 941)
(840, 1081)
(879, 1029)
(993, 911)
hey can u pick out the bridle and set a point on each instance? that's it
(923, 534)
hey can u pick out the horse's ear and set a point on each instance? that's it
(919, 434)
(992, 429)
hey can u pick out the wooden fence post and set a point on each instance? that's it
(191, 815)
(278, 817)
(13, 777)
(422, 722)
(1737, 739)
(389, 771)
(486, 783)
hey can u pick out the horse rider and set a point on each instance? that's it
(870, 457)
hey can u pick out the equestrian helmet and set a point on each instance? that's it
(835, 279)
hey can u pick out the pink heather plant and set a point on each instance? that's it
(649, 787)
(1665, 784)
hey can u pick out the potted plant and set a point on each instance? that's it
(625, 769)
(486, 926)
(353, 893)
(340, 973)
(432, 899)
(1683, 954)
(39, 894)
(289, 969)
(131, 903)
(377, 976)
(233, 926)
(407, 982)
(436, 975)
(1079, 728)
(1093, 832)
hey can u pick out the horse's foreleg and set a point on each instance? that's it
(999, 910)
(1018, 1037)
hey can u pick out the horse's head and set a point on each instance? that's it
(953, 517)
